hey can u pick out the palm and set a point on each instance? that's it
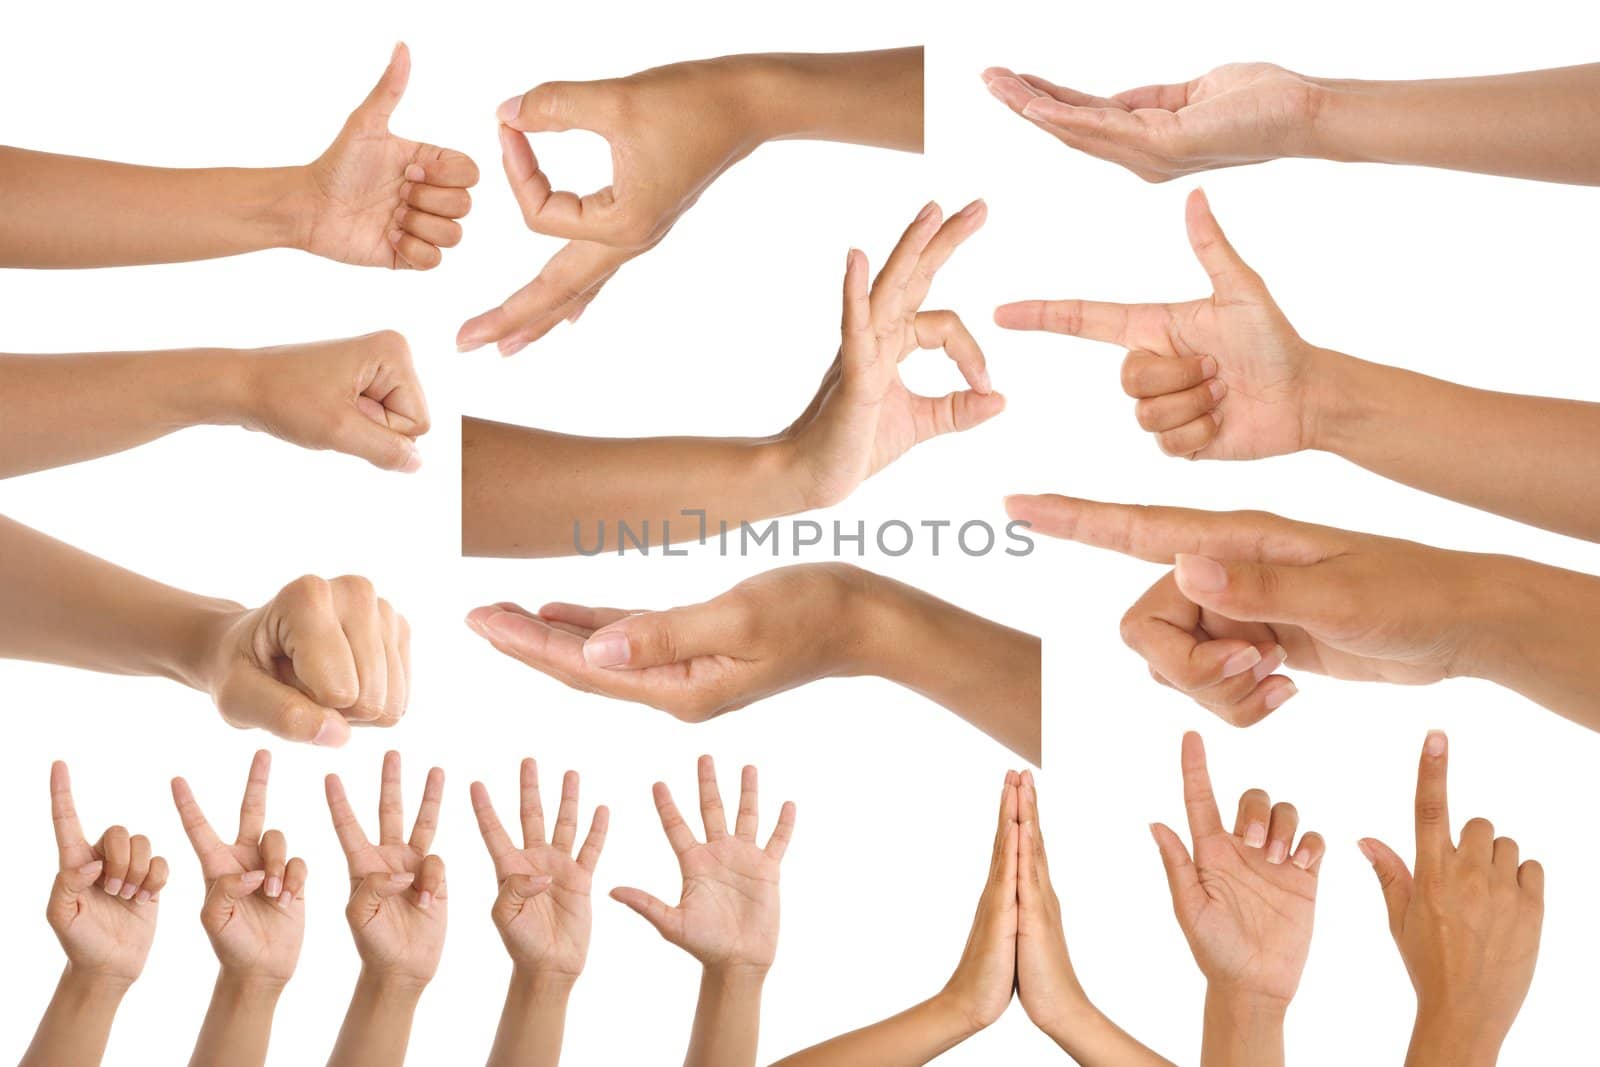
(260, 936)
(108, 935)
(358, 183)
(1250, 924)
(1241, 110)
(550, 930)
(729, 908)
(398, 935)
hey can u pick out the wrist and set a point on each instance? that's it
(1243, 1010)
(240, 987)
(1340, 404)
(531, 982)
(89, 984)
(956, 1018)
(1502, 616)
(1448, 1039)
(1335, 120)
(195, 657)
(391, 986)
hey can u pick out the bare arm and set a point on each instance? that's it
(727, 1018)
(914, 1037)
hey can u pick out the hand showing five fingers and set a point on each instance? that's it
(254, 910)
(727, 912)
(105, 931)
(1244, 899)
(543, 908)
(1225, 377)
(383, 201)
(863, 417)
(1236, 114)
(397, 887)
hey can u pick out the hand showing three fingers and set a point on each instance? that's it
(1238, 113)
(254, 910)
(727, 912)
(397, 887)
(543, 908)
(103, 902)
(1244, 899)
(863, 417)
(1225, 377)
(1467, 924)
(382, 201)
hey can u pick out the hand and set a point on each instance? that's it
(255, 907)
(1237, 114)
(105, 934)
(767, 634)
(1047, 984)
(863, 417)
(542, 910)
(1349, 605)
(1467, 925)
(1225, 377)
(377, 200)
(727, 913)
(1245, 899)
(359, 396)
(397, 887)
(318, 657)
(981, 986)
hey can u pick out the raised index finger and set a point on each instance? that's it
(204, 839)
(494, 835)
(1198, 798)
(1433, 809)
(351, 838)
(1158, 534)
(70, 843)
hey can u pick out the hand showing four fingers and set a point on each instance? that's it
(104, 899)
(254, 910)
(397, 887)
(543, 909)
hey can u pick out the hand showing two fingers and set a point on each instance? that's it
(319, 657)
(104, 900)
(543, 909)
(397, 905)
(254, 910)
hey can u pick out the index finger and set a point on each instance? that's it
(1158, 534)
(679, 836)
(1198, 799)
(494, 834)
(253, 808)
(351, 838)
(1433, 809)
(204, 839)
(1090, 319)
(70, 843)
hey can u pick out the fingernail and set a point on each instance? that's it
(1277, 697)
(1032, 108)
(927, 211)
(1255, 835)
(1367, 850)
(333, 732)
(402, 878)
(970, 210)
(1208, 367)
(606, 650)
(274, 887)
(1302, 859)
(414, 173)
(405, 190)
(1435, 744)
(89, 868)
(424, 899)
(251, 879)
(1217, 389)
(1277, 852)
(1274, 659)
(113, 886)
(413, 462)
(143, 896)
(1240, 661)
(128, 890)
(511, 348)
(394, 237)
(1201, 574)
(509, 110)
(285, 899)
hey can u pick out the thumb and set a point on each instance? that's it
(958, 411)
(372, 891)
(1230, 275)
(557, 106)
(1182, 879)
(385, 96)
(666, 920)
(71, 883)
(250, 697)
(515, 891)
(224, 896)
(653, 638)
(1393, 876)
(1257, 592)
(362, 433)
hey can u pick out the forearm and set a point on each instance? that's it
(238, 1022)
(1537, 124)
(532, 1022)
(909, 1039)
(1534, 459)
(377, 1026)
(727, 1019)
(527, 492)
(986, 673)
(869, 98)
(1242, 1031)
(65, 211)
(67, 607)
(1093, 1040)
(1446, 1041)
(56, 410)
(1534, 629)
(77, 1023)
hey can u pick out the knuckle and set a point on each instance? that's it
(356, 588)
(307, 591)
(1430, 811)
(1148, 412)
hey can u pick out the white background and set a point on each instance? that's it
(725, 329)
